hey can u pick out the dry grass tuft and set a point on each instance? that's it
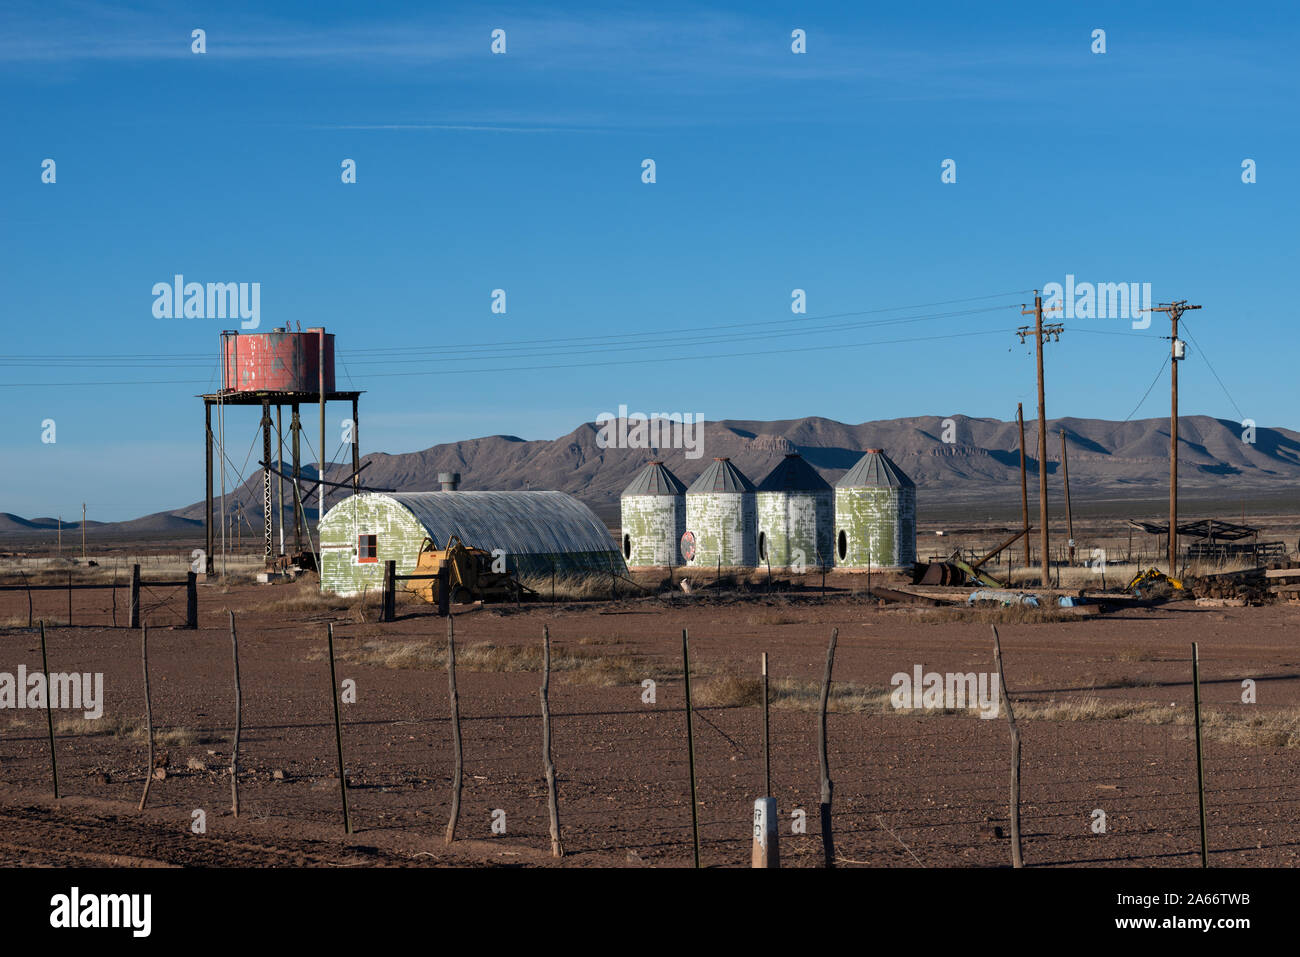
(578, 665)
(579, 587)
(304, 595)
(729, 690)
(773, 617)
(1278, 728)
(132, 729)
(1134, 653)
(1001, 615)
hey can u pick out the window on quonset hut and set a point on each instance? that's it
(367, 548)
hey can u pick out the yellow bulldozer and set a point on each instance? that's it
(470, 576)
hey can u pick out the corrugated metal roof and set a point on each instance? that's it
(520, 523)
(721, 476)
(655, 479)
(875, 470)
(793, 474)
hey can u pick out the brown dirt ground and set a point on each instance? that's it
(909, 789)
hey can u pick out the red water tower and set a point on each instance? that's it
(271, 370)
(277, 361)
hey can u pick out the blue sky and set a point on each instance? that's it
(522, 171)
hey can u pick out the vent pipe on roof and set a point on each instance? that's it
(450, 481)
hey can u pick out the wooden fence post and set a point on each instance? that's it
(191, 601)
(239, 720)
(444, 590)
(49, 712)
(148, 706)
(690, 744)
(766, 852)
(134, 618)
(767, 752)
(1200, 758)
(1017, 857)
(389, 610)
(552, 797)
(828, 787)
(338, 732)
(457, 759)
(29, 598)
(69, 599)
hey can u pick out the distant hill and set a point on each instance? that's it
(13, 523)
(1117, 461)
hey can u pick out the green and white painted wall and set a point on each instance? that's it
(533, 531)
(721, 514)
(796, 517)
(653, 511)
(875, 515)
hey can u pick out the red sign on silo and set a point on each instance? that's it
(277, 361)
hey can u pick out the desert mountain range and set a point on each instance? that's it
(1112, 461)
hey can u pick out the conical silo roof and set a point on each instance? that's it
(875, 470)
(793, 474)
(655, 479)
(721, 476)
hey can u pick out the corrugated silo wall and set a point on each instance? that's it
(798, 527)
(399, 535)
(884, 518)
(725, 525)
(654, 525)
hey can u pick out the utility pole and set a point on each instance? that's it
(83, 531)
(1054, 331)
(320, 475)
(1024, 481)
(1069, 515)
(1177, 351)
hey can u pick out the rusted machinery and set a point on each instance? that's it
(470, 576)
(1146, 582)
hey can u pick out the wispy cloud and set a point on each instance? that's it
(477, 128)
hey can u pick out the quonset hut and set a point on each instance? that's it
(653, 512)
(875, 515)
(537, 531)
(721, 521)
(795, 508)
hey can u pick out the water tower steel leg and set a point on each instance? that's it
(295, 430)
(279, 475)
(356, 447)
(267, 544)
(207, 498)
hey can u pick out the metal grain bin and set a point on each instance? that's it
(796, 516)
(721, 517)
(875, 515)
(653, 511)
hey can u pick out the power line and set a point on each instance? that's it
(797, 331)
(1148, 391)
(1206, 356)
(573, 365)
(802, 327)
